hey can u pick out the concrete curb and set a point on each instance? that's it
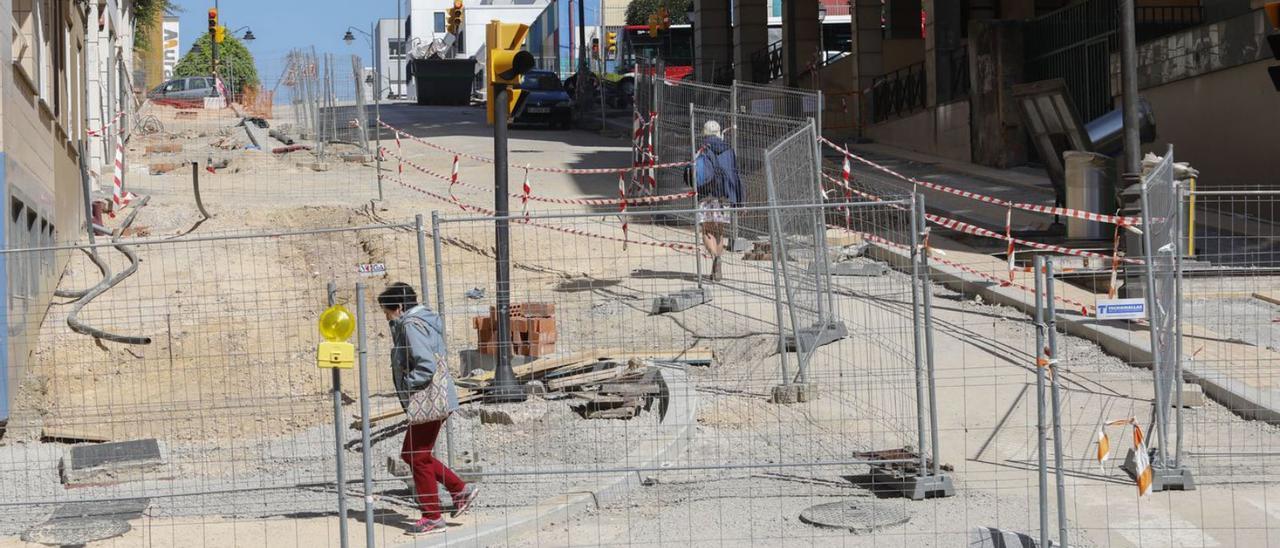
(678, 411)
(1241, 399)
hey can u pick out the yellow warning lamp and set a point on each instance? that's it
(336, 325)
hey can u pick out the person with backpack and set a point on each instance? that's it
(718, 187)
(427, 393)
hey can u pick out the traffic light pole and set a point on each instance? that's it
(213, 41)
(505, 388)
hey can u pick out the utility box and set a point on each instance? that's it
(1089, 188)
(444, 81)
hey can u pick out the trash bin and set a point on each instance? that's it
(1089, 188)
(444, 81)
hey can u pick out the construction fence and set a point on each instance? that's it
(859, 353)
(187, 395)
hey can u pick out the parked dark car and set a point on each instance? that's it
(545, 101)
(188, 88)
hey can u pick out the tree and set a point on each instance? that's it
(146, 15)
(235, 62)
(638, 11)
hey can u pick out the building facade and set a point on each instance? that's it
(389, 38)
(42, 121)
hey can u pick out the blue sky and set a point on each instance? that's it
(281, 25)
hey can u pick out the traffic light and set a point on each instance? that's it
(655, 24)
(664, 18)
(505, 62)
(213, 20)
(1273, 15)
(219, 34)
(455, 17)
(595, 48)
(611, 43)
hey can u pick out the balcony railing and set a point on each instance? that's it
(766, 64)
(898, 93)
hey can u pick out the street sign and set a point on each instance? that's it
(1122, 309)
(372, 269)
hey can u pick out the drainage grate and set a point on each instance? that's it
(858, 516)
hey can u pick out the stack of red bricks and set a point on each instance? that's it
(533, 329)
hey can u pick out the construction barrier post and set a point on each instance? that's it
(339, 438)
(366, 446)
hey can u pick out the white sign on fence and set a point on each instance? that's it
(171, 49)
(1122, 309)
(372, 269)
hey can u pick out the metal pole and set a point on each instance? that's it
(733, 123)
(1129, 88)
(927, 298)
(366, 446)
(1149, 255)
(505, 386)
(439, 256)
(1177, 318)
(774, 246)
(213, 43)
(377, 109)
(1041, 440)
(1057, 402)
(916, 328)
(400, 61)
(697, 227)
(339, 439)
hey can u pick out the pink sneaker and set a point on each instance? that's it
(427, 526)
(463, 501)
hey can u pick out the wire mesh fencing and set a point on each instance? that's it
(723, 400)
(175, 381)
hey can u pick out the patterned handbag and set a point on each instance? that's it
(432, 402)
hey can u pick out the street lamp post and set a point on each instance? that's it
(377, 94)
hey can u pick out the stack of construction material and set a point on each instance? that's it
(532, 327)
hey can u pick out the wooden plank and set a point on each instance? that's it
(631, 389)
(587, 378)
(600, 399)
(1270, 297)
(72, 434)
(616, 413)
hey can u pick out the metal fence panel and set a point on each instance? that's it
(203, 359)
(800, 234)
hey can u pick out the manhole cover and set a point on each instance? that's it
(858, 516)
(73, 531)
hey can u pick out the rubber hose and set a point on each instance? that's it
(107, 284)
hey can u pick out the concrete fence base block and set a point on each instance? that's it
(806, 392)
(785, 394)
(816, 335)
(680, 300)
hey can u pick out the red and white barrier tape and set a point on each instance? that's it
(526, 191)
(103, 130)
(966, 228)
(1128, 222)
(453, 177)
(622, 207)
(573, 231)
(118, 194)
(1084, 309)
(564, 201)
(487, 160)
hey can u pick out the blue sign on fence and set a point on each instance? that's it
(1122, 309)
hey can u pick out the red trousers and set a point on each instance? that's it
(428, 472)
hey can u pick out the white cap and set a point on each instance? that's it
(711, 128)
